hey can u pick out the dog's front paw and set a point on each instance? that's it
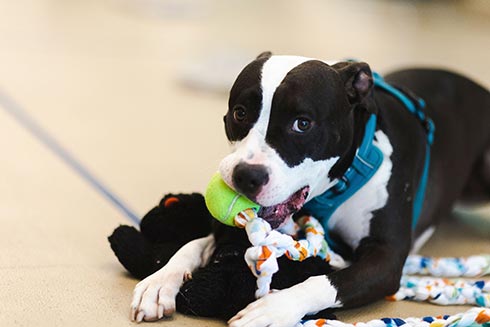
(285, 308)
(154, 297)
(278, 309)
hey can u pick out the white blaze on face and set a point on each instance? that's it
(273, 73)
(253, 149)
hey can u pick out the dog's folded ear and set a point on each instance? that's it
(358, 81)
(264, 55)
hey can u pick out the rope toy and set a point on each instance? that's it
(473, 266)
(444, 291)
(268, 245)
(236, 210)
(471, 318)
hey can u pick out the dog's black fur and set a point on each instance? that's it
(461, 112)
(342, 97)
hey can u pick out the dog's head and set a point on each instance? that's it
(294, 124)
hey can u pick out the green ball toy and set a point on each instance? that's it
(224, 203)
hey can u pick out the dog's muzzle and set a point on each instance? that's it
(249, 179)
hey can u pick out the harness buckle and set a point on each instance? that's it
(341, 186)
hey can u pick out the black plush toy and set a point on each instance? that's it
(176, 220)
(225, 285)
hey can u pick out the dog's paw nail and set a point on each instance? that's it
(187, 276)
(140, 316)
(160, 311)
(132, 315)
(168, 312)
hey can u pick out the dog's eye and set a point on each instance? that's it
(239, 113)
(301, 125)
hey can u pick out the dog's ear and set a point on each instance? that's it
(264, 55)
(358, 82)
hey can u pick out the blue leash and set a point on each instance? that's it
(22, 117)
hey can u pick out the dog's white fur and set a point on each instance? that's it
(155, 296)
(287, 307)
(352, 219)
(273, 73)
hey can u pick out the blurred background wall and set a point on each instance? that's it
(137, 88)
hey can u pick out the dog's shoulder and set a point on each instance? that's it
(351, 221)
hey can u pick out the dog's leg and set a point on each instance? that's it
(154, 297)
(478, 186)
(375, 272)
(286, 307)
(366, 280)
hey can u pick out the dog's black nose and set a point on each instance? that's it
(249, 179)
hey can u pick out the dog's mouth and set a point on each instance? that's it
(275, 215)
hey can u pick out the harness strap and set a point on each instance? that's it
(416, 107)
(365, 164)
(368, 159)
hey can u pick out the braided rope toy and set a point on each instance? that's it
(472, 266)
(472, 318)
(268, 245)
(443, 291)
(233, 209)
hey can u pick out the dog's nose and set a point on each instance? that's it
(249, 179)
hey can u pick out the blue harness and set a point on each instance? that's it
(367, 161)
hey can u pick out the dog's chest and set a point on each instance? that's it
(351, 221)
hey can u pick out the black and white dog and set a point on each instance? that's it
(295, 125)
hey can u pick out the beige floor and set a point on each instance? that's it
(120, 84)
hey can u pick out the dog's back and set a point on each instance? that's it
(460, 109)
